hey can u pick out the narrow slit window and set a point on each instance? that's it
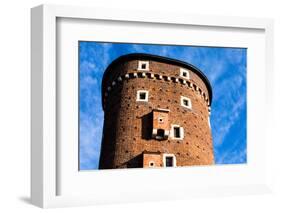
(177, 132)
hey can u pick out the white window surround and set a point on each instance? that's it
(183, 99)
(184, 73)
(139, 92)
(169, 155)
(172, 132)
(145, 63)
(151, 164)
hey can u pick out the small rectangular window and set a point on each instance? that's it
(186, 102)
(142, 95)
(184, 73)
(143, 65)
(169, 161)
(177, 132)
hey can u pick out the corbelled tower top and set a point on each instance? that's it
(111, 72)
(156, 113)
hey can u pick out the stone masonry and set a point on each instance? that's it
(156, 114)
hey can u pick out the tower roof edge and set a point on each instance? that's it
(145, 56)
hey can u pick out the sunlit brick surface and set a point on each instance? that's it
(128, 124)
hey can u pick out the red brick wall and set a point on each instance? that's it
(128, 123)
(152, 158)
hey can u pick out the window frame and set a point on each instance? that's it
(165, 155)
(140, 63)
(183, 70)
(183, 98)
(172, 135)
(146, 95)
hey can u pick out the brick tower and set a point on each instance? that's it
(156, 114)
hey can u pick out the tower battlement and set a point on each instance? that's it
(156, 114)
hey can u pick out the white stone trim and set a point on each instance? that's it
(172, 136)
(209, 122)
(162, 109)
(140, 63)
(146, 95)
(154, 133)
(169, 155)
(189, 101)
(182, 71)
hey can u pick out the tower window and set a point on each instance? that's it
(142, 95)
(186, 102)
(184, 73)
(143, 65)
(177, 132)
(169, 160)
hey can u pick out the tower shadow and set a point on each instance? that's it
(146, 126)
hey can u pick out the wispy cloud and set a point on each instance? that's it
(224, 67)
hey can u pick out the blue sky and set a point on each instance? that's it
(224, 67)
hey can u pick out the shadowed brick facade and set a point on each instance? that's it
(156, 114)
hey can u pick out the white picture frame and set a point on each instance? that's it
(47, 172)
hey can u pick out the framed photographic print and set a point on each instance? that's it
(133, 106)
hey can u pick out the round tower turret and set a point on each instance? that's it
(156, 114)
